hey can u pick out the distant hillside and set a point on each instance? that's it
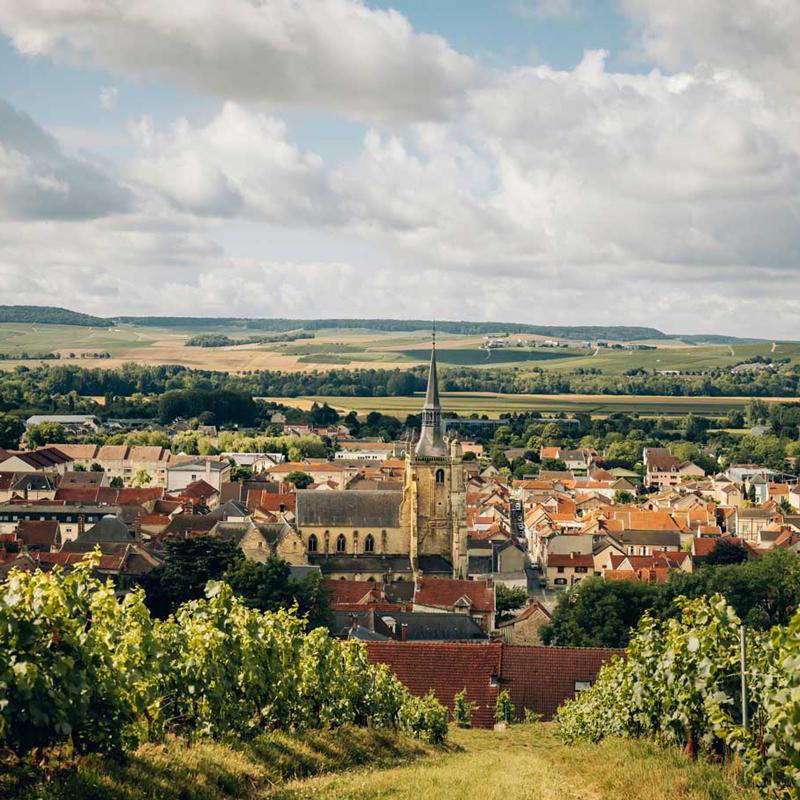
(50, 315)
(711, 338)
(580, 332)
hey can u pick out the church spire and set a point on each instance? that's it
(431, 442)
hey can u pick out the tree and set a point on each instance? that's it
(95, 467)
(11, 430)
(142, 478)
(300, 480)
(623, 498)
(268, 587)
(44, 432)
(189, 565)
(726, 552)
(598, 613)
(116, 482)
(508, 599)
(785, 506)
(241, 473)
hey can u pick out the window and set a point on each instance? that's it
(560, 581)
(560, 569)
(439, 476)
(581, 569)
(312, 543)
(369, 543)
(341, 544)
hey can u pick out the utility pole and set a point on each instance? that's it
(743, 667)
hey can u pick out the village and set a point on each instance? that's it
(446, 566)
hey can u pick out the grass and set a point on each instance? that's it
(529, 762)
(497, 405)
(525, 761)
(214, 771)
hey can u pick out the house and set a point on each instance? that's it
(29, 486)
(473, 598)
(213, 471)
(72, 520)
(44, 459)
(562, 571)
(524, 628)
(38, 534)
(663, 470)
(262, 541)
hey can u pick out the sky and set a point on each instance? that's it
(564, 162)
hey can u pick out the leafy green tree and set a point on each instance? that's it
(188, 566)
(268, 587)
(726, 552)
(11, 430)
(95, 467)
(44, 432)
(116, 482)
(509, 599)
(142, 478)
(299, 479)
(598, 613)
(623, 498)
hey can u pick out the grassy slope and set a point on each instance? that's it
(528, 762)
(211, 771)
(525, 761)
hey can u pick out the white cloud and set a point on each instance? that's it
(108, 97)
(338, 55)
(543, 194)
(240, 164)
(38, 181)
(758, 38)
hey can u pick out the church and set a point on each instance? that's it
(394, 535)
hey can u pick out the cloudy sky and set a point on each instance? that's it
(543, 161)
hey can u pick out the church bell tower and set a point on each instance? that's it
(434, 493)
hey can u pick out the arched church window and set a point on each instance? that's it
(312, 543)
(369, 543)
(341, 544)
(439, 476)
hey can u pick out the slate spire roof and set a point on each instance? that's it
(431, 442)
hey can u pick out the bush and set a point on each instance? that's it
(679, 684)
(463, 709)
(504, 708)
(78, 665)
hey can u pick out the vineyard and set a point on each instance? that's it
(81, 668)
(680, 684)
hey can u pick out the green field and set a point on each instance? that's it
(487, 358)
(497, 405)
(356, 348)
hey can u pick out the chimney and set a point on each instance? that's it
(81, 524)
(208, 470)
(137, 527)
(404, 632)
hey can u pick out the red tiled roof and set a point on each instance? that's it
(446, 668)
(569, 560)
(349, 592)
(38, 532)
(445, 592)
(542, 678)
(138, 496)
(272, 501)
